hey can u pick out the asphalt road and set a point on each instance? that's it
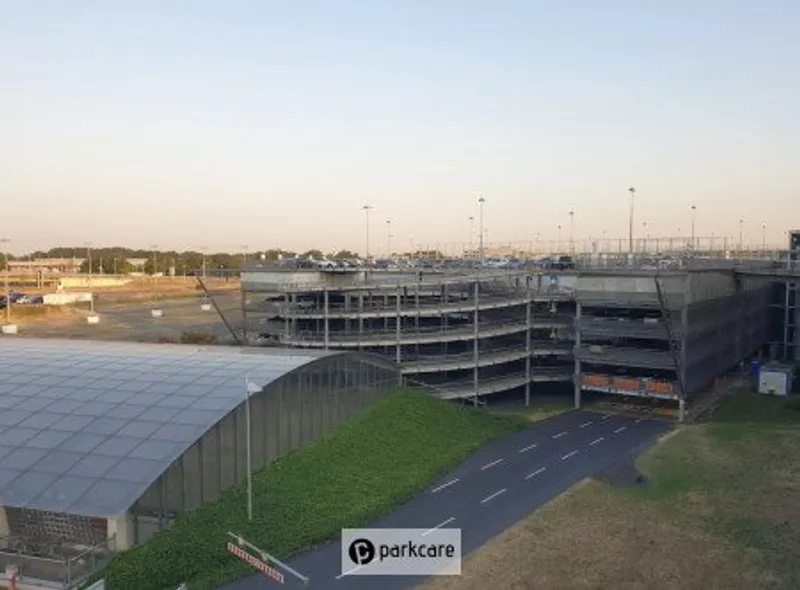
(492, 490)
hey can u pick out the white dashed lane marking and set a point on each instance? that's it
(620, 429)
(560, 434)
(568, 455)
(443, 486)
(535, 473)
(528, 448)
(585, 424)
(493, 496)
(595, 441)
(492, 464)
(440, 525)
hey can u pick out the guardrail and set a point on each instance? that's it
(433, 334)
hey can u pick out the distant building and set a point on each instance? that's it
(66, 266)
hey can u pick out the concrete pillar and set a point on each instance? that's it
(683, 374)
(576, 378)
(398, 324)
(360, 319)
(476, 342)
(326, 311)
(528, 305)
(121, 529)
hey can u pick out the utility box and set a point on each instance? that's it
(775, 380)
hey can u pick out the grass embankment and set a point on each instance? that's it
(362, 470)
(535, 412)
(723, 512)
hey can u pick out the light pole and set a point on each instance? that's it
(204, 249)
(632, 191)
(741, 235)
(571, 230)
(644, 231)
(389, 239)
(6, 280)
(155, 276)
(558, 244)
(244, 252)
(367, 209)
(90, 271)
(481, 201)
(764, 237)
(471, 232)
(694, 210)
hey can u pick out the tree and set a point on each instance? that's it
(106, 265)
(345, 254)
(314, 254)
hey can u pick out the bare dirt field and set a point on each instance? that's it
(125, 313)
(723, 511)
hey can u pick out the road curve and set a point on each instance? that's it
(491, 490)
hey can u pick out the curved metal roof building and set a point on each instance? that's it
(143, 432)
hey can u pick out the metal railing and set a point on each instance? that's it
(54, 562)
(433, 333)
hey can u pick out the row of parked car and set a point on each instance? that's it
(547, 263)
(18, 298)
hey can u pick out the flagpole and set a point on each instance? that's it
(249, 450)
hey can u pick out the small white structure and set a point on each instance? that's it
(775, 380)
(10, 329)
(156, 313)
(93, 319)
(205, 306)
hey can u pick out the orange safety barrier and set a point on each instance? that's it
(661, 387)
(590, 380)
(628, 383)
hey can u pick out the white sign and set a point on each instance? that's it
(401, 552)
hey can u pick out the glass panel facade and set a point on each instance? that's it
(86, 427)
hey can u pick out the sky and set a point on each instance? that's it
(189, 124)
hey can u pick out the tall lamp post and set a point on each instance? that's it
(389, 238)
(6, 273)
(571, 232)
(367, 209)
(481, 201)
(694, 211)
(471, 233)
(764, 237)
(632, 191)
(558, 245)
(90, 271)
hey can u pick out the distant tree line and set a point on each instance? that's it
(116, 260)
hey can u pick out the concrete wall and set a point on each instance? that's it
(633, 290)
(289, 413)
(721, 332)
(83, 282)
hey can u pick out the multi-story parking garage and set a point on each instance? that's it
(655, 334)
(466, 336)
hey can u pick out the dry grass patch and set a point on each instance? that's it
(723, 512)
(595, 537)
(535, 413)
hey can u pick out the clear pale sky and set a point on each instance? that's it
(270, 123)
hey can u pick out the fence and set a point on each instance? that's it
(57, 564)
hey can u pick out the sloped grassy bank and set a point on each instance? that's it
(364, 469)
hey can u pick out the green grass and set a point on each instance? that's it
(739, 477)
(364, 469)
